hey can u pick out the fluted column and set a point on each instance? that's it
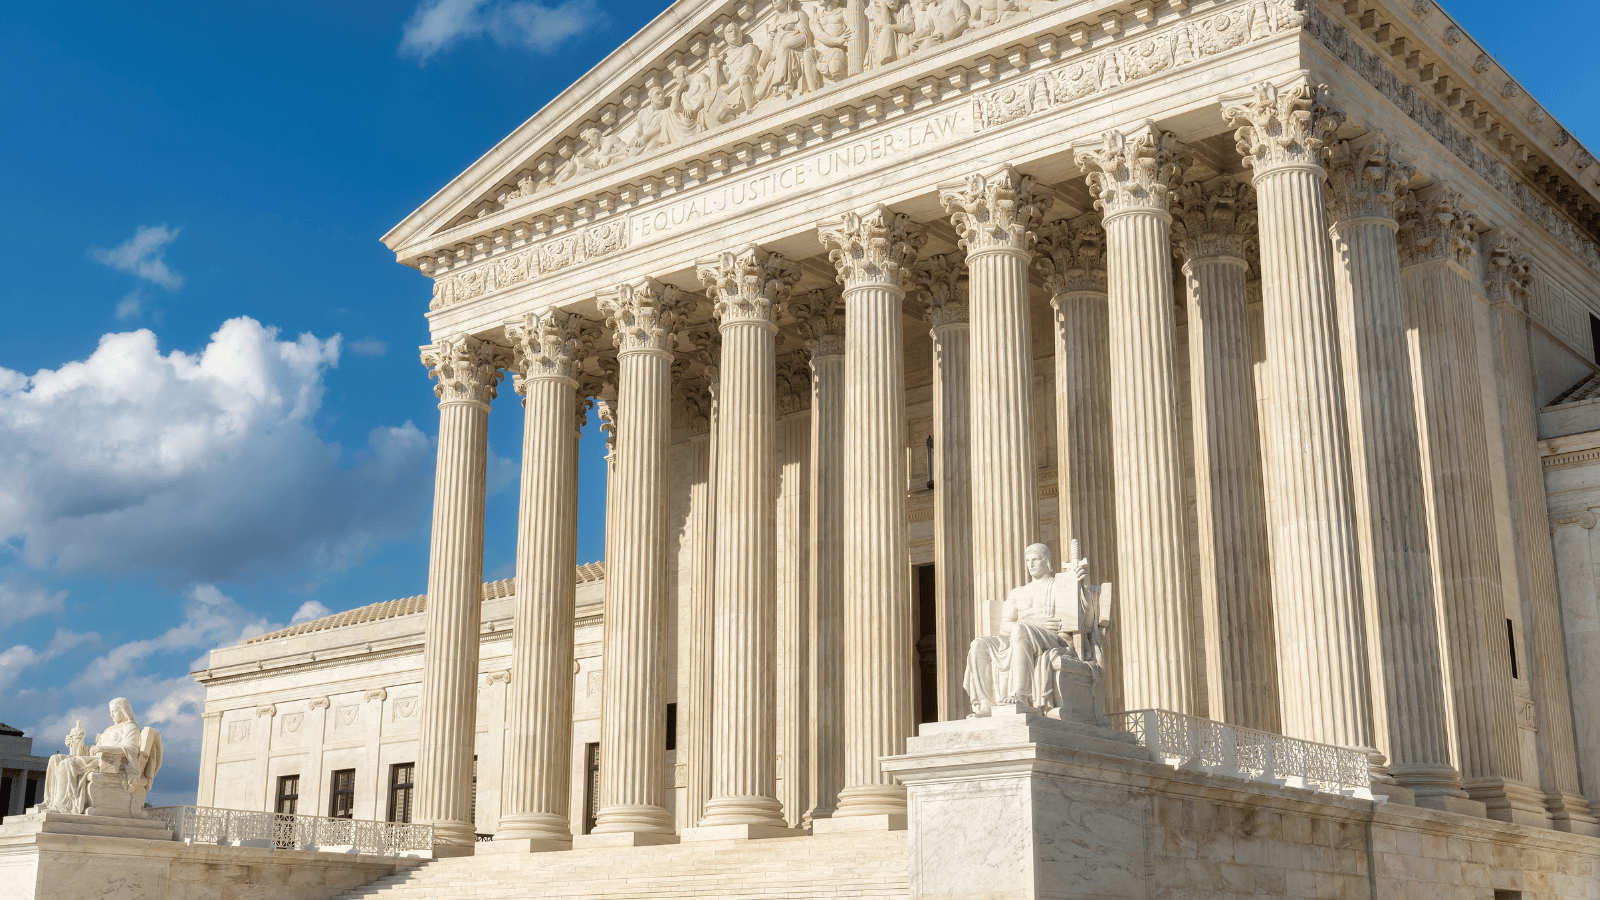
(794, 586)
(1316, 577)
(823, 328)
(995, 213)
(1437, 254)
(633, 700)
(467, 370)
(1213, 225)
(871, 252)
(1072, 255)
(536, 793)
(1508, 279)
(1130, 175)
(748, 289)
(694, 707)
(943, 287)
(1410, 724)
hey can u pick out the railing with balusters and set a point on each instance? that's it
(285, 831)
(1196, 744)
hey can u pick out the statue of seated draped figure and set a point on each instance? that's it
(1053, 625)
(109, 779)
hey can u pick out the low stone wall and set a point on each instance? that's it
(1023, 806)
(43, 866)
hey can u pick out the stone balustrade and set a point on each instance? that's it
(285, 831)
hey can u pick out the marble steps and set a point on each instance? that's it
(864, 865)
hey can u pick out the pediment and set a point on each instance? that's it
(709, 68)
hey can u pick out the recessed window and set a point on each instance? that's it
(342, 799)
(288, 794)
(402, 785)
(591, 786)
(1511, 641)
(672, 726)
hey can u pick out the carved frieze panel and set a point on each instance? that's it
(238, 732)
(404, 708)
(345, 716)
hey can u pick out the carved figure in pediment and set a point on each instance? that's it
(661, 120)
(791, 62)
(892, 22)
(830, 32)
(598, 152)
(992, 12)
(940, 21)
(741, 72)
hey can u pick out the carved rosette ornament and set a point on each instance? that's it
(874, 248)
(1368, 183)
(1438, 226)
(1133, 172)
(1508, 278)
(642, 316)
(749, 285)
(823, 323)
(997, 211)
(1284, 125)
(545, 344)
(1072, 255)
(942, 285)
(468, 369)
(1215, 221)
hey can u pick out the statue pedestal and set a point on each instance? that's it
(40, 822)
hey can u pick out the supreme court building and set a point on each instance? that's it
(1278, 308)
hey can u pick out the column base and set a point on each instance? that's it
(502, 845)
(622, 839)
(453, 834)
(871, 800)
(746, 810)
(545, 827)
(1570, 813)
(859, 823)
(740, 832)
(632, 817)
(1509, 801)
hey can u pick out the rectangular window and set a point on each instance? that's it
(342, 799)
(927, 646)
(402, 782)
(472, 816)
(1594, 336)
(7, 784)
(1511, 641)
(288, 794)
(591, 786)
(672, 726)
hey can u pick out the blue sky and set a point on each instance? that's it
(212, 417)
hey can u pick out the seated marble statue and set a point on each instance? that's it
(109, 779)
(1053, 618)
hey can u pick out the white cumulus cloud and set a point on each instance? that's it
(308, 611)
(437, 24)
(196, 467)
(144, 255)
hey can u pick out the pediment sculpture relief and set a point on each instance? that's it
(1050, 650)
(109, 779)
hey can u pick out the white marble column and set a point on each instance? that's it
(1072, 256)
(748, 289)
(794, 586)
(995, 214)
(823, 328)
(1130, 176)
(1316, 575)
(467, 370)
(536, 790)
(1213, 224)
(872, 252)
(1508, 280)
(1437, 257)
(1409, 720)
(943, 288)
(694, 706)
(633, 708)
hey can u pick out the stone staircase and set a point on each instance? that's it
(867, 865)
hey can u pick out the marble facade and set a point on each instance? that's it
(1256, 299)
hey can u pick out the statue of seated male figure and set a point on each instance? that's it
(1050, 629)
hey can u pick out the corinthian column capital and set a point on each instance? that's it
(1214, 220)
(748, 285)
(942, 284)
(641, 315)
(547, 344)
(1368, 183)
(997, 211)
(1284, 125)
(822, 323)
(1436, 225)
(1508, 278)
(1072, 255)
(468, 369)
(1132, 172)
(872, 248)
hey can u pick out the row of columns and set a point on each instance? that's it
(1345, 527)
